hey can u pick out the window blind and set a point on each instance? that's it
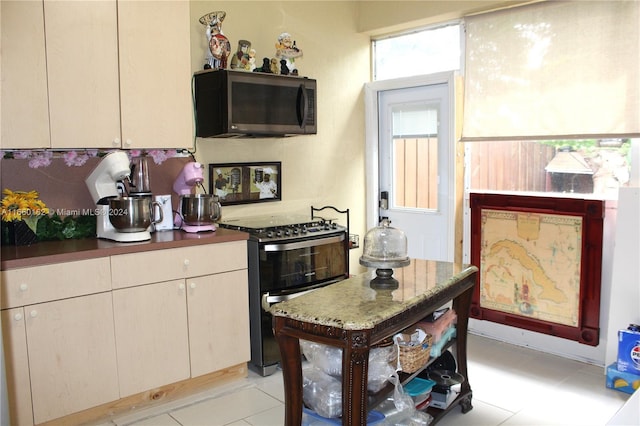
(553, 70)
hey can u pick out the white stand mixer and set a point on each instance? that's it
(102, 184)
(191, 175)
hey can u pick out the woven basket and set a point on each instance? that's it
(412, 358)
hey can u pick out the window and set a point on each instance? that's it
(586, 166)
(526, 74)
(426, 51)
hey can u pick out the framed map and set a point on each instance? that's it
(540, 262)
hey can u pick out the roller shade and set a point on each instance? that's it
(553, 70)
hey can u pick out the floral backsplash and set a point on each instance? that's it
(78, 157)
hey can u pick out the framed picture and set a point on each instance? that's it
(242, 183)
(540, 263)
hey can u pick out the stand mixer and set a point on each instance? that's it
(103, 186)
(196, 212)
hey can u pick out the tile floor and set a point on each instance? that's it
(511, 386)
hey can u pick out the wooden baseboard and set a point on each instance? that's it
(153, 397)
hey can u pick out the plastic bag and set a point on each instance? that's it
(322, 392)
(380, 369)
(329, 360)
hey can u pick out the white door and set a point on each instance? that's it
(416, 167)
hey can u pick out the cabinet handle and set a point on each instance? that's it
(186, 262)
(181, 286)
(17, 317)
(33, 313)
(116, 142)
(127, 142)
(192, 285)
(24, 287)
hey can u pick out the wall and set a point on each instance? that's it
(318, 170)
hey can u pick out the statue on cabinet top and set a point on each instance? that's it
(286, 49)
(219, 45)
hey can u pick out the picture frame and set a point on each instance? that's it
(243, 183)
(540, 263)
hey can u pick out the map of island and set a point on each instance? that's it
(530, 265)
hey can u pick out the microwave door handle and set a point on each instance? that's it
(302, 105)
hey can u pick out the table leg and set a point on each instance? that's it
(291, 373)
(461, 305)
(355, 366)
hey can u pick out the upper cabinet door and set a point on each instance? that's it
(24, 119)
(155, 74)
(82, 62)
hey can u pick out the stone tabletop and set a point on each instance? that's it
(353, 305)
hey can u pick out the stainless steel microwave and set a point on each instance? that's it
(239, 103)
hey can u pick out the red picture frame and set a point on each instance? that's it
(590, 214)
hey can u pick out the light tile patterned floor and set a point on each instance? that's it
(511, 386)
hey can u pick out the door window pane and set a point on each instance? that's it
(415, 156)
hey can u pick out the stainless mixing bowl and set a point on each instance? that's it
(199, 209)
(131, 214)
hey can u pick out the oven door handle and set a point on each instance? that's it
(268, 300)
(303, 244)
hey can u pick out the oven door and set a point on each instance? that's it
(287, 270)
(289, 267)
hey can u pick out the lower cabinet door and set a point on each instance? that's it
(16, 360)
(218, 321)
(72, 360)
(151, 336)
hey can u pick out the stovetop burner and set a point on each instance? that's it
(282, 226)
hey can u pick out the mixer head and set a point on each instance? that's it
(191, 174)
(102, 182)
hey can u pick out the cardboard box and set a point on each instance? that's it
(622, 380)
(629, 350)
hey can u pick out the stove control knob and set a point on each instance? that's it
(304, 229)
(296, 231)
(278, 233)
(326, 226)
(269, 234)
(287, 232)
(334, 226)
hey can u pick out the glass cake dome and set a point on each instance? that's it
(384, 248)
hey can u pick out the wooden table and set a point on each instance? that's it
(353, 316)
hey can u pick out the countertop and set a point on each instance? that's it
(48, 252)
(353, 305)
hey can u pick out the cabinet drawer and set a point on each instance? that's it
(163, 265)
(26, 286)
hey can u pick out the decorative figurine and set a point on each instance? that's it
(286, 49)
(251, 65)
(274, 66)
(241, 58)
(266, 66)
(284, 69)
(219, 45)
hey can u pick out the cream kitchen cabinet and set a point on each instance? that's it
(59, 339)
(155, 74)
(92, 337)
(128, 270)
(161, 339)
(113, 80)
(82, 69)
(195, 323)
(151, 336)
(218, 307)
(24, 109)
(119, 74)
